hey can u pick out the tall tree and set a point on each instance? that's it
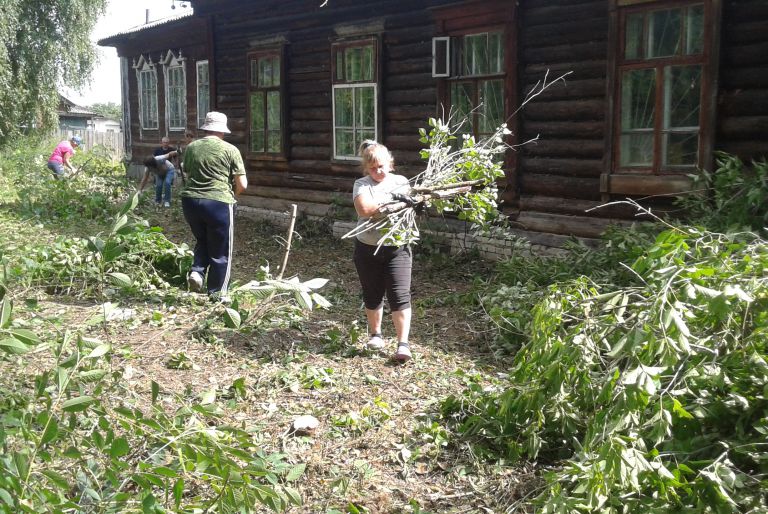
(43, 44)
(107, 109)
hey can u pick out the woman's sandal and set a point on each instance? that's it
(403, 353)
(376, 342)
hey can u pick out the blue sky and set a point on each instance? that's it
(119, 16)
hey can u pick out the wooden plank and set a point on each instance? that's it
(572, 88)
(561, 167)
(308, 195)
(576, 149)
(580, 226)
(743, 127)
(743, 102)
(743, 55)
(551, 129)
(646, 185)
(583, 110)
(747, 150)
(424, 96)
(585, 188)
(566, 53)
(553, 13)
(582, 69)
(745, 78)
(597, 209)
(578, 30)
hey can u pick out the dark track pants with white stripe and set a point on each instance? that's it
(212, 224)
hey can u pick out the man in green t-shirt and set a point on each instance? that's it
(215, 175)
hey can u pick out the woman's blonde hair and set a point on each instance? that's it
(371, 151)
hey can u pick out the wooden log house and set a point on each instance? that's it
(655, 88)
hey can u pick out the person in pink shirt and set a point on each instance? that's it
(59, 159)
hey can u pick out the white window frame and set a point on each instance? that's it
(357, 85)
(437, 41)
(202, 110)
(173, 62)
(344, 45)
(145, 66)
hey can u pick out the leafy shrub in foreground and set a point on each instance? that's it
(731, 197)
(74, 441)
(130, 256)
(655, 393)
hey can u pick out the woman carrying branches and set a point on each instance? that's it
(382, 269)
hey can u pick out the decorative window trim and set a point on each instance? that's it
(145, 65)
(267, 50)
(655, 179)
(337, 83)
(202, 112)
(172, 61)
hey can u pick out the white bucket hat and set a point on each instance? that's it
(215, 122)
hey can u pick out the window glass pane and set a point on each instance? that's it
(664, 33)
(367, 64)
(254, 72)
(265, 72)
(273, 110)
(203, 92)
(257, 121)
(344, 142)
(638, 95)
(633, 41)
(475, 53)
(461, 103)
(343, 105)
(491, 106)
(274, 141)
(354, 58)
(496, 52)
(681, 148)
(694, 27)
(637, 149)
(276, 71)
(339, 64)
(682, 96)
(366, 103)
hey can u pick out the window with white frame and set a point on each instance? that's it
(203, 92)
(146, 77)
(175, 91)
(355, 88)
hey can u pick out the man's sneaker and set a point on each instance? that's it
(220, 298)
(375, 342)
(167, 204)
(195, 281)
(403, 353)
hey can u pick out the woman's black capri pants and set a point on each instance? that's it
(388, 271)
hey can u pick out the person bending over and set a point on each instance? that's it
(161, 167)
(58, 162)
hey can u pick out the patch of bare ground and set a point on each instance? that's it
(380, 444)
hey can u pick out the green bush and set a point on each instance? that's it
(733, 197)
(653, 392)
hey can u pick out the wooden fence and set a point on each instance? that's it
(112, 141)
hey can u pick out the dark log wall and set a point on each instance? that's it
(189, 36)
(560, 172)
(408, 90)
(553, 180)
(743, 99)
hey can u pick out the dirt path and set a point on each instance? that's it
(380, 444)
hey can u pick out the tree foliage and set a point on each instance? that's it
(44, 45)
(109, 110)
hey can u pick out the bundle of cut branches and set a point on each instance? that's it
(460, 177)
